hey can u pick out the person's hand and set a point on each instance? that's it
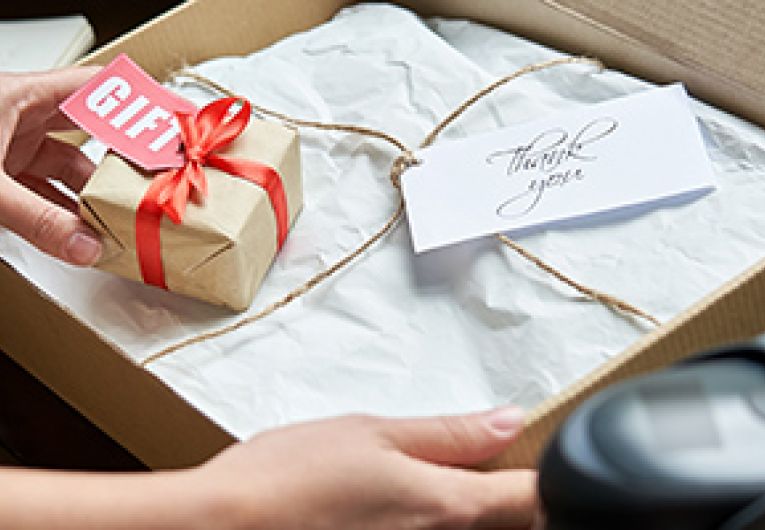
(29, 204)
(350, 473)
(360, 472)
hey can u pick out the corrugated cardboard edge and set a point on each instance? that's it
(733, 312)
(154, 423)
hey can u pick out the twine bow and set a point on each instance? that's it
(202, 134)
(401, 164)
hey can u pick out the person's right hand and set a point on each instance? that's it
(29, 204)
(368, 473)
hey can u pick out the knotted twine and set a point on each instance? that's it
(404, 161)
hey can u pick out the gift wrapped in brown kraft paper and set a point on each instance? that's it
(225, 243)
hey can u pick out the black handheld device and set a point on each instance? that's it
(682, 449)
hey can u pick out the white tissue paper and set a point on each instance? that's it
(450, 331)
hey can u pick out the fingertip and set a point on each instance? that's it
(83, 248)
(84, 72)
(92, 69)
(507, 421)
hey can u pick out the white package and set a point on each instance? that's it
(453, 330)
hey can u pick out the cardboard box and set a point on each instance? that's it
(684, 40)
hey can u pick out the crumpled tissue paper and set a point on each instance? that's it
(450, 331)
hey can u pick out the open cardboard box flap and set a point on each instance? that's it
(712, 47)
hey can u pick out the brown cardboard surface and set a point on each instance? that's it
(645, 37)
(712, 46)
(201, 30)
(723, 38)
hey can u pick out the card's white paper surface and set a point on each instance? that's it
(583, 166)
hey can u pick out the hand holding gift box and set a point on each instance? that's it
(209, 228)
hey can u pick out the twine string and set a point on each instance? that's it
(405, 160)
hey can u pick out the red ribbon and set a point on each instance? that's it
(202, 134)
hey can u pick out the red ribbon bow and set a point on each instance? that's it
(202, 134)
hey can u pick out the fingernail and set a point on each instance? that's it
(82, 249)
(507, 420)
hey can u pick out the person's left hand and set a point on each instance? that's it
(368, 473)
(29, 204)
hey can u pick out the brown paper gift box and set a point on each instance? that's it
(224, 246)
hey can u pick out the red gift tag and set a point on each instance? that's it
(123, 107)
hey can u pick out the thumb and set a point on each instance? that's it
(456, 440)
(52, 229)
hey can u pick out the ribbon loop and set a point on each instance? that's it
(210, 129)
